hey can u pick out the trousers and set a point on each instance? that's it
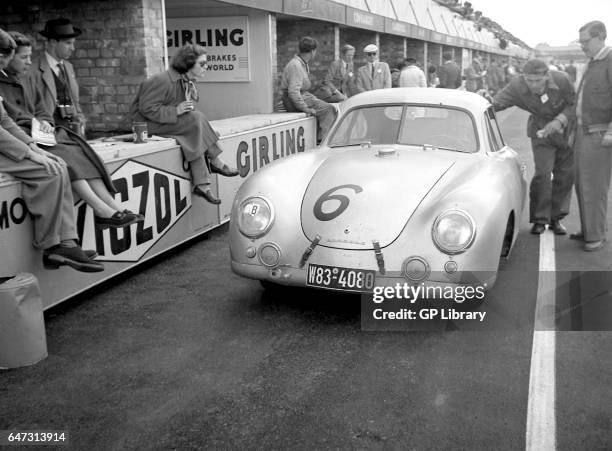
(48, 198)
(593, 169)
(325, 113)
(549, 200)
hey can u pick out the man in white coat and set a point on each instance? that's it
(412, 76)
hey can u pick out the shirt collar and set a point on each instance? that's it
(52, 62)
(304, 63)
(602, 53)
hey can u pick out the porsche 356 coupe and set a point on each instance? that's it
(411, 185)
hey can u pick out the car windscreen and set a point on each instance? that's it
(435, 126)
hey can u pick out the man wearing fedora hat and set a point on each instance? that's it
(51, 81)
(54, 75)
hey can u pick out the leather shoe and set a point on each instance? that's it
(577, 236)
(206, 194)
(590, 246)
(74, 257)
(557, 228)
(225, 170)
(48, 264)
(140, 217)
(538, 229)
(118, 220)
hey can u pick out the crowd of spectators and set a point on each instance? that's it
(342, 79)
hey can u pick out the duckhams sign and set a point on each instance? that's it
(225, 39)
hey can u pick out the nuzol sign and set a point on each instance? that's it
(163, 198)
(225, 40)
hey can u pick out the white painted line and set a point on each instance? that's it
(541, 421)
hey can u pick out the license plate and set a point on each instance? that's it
(337, 278)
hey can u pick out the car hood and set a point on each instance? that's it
(358, 196)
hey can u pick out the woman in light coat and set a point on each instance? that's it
(167, 100)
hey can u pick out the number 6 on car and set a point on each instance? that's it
(327, 196)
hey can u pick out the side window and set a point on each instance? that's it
(497, 136)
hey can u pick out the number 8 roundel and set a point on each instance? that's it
(327, 195)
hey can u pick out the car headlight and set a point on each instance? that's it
(255, 217)
(453, 231)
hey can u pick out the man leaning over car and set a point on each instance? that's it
(550, 97)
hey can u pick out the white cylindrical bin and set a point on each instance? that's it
(22, 325)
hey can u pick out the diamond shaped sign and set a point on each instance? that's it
(160, 196)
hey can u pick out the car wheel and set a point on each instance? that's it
(507, 243)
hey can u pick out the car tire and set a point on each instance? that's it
(508, 235)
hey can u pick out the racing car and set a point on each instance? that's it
(411, 185)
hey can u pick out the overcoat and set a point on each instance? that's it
(156, 102)
(42, 77)
(24, 101)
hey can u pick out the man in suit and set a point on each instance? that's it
(55, 75)
(593, 145)
(341, 73)
(449, 73)
(374, 74)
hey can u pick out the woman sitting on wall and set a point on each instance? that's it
(88, 175)
(167, 101)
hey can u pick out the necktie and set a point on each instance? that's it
(372, 70)
(63, 75)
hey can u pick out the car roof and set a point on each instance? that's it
(448, 97)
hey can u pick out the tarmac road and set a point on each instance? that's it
(186, 355)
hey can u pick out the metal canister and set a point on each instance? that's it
(140, 132)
